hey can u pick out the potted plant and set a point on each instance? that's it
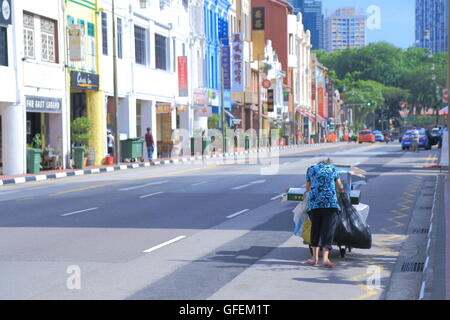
(34, 154)
(80, 136)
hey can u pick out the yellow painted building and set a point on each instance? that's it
(82, 19)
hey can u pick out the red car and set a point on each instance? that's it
(366, 136)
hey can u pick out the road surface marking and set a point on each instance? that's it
(164, 244)
(258, 181)
(241, 187)
(143, 185)
(199, 183)
(79, 211)
(248, 185)
(149, 195)
(237, 213)
(277, 197)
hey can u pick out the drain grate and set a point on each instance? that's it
(413, 267)
(420, 230)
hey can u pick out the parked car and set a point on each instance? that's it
(423, 139)
(366, 136)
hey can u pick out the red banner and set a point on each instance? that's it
(182, 76)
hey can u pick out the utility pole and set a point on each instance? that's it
(259, 108)
(116, 98)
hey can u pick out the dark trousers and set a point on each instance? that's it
(323, 225)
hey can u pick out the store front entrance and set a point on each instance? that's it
(44, 129)
(78, 105)
(164, 129)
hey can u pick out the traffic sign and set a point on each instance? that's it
(266, 84)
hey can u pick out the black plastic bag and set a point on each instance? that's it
(351, 230)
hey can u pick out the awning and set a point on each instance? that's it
(265, 117)
(320, 118)
(229, 114)
(444, 112)
(304, 113)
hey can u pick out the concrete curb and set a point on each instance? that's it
(183, 160)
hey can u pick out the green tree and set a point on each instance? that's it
(411, 75)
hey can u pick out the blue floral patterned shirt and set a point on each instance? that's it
(323, 188)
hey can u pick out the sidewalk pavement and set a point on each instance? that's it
(444, 163)
(56, 174)
(436, 281)
(447, 237)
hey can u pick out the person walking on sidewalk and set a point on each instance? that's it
(322, 207)
(150, 143)
(110, 141)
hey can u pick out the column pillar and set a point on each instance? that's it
(14, 140)
(95, 111)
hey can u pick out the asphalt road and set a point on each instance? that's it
(198, 231)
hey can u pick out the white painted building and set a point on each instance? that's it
(299, 60)
(32, 82)
(197, 70)
(151, 36)
(275, 74)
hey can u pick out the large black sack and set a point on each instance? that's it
(351, 230)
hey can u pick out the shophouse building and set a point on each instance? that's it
(33, 103)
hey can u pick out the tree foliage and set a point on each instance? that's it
(388, 76)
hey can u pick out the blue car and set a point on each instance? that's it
(423, 139)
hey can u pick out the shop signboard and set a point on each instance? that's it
(163, 108)
(5, 12)
(258, 18)
(84, 80)
(270, 100)
(200, 97)
(202, 111)
(226, 67)
(182, 77)
(237, 64)
(43, 104)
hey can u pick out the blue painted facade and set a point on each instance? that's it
(216, 27)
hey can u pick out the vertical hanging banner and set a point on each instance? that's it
(182, 77)
(270, 100)
(258, 18)
(226, 67)
(237, 74)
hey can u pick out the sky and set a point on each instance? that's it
(397, 19)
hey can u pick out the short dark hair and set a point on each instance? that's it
(149, 129)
